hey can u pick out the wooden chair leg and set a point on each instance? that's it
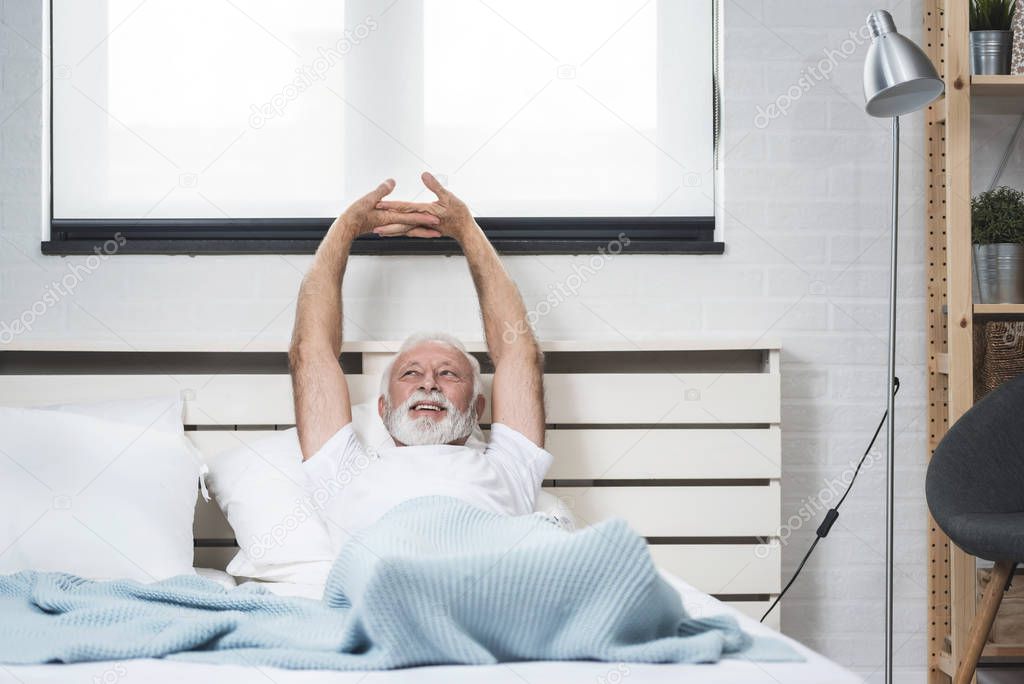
(983, 619)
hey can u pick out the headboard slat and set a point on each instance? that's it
(715, 511)
(615, 454)
(587, 398)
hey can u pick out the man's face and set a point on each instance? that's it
(431, 397)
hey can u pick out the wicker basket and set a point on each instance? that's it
(1017, 53)
(1008, 628)
(998, 354)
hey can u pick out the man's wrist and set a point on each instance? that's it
(337, 241)
(345, 230)
(467, 231)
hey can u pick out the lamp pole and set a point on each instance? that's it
(890, 423)
(898, 79)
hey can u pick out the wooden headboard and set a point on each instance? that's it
(680, 438)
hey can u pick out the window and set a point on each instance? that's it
(247, 125)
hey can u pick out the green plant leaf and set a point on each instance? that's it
(998, 216)
(992, 15)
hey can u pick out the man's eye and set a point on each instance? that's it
(407, 372)
(449, 373)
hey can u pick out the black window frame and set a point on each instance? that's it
(509, 235)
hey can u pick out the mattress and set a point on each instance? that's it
(815, 670)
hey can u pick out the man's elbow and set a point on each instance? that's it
(526, 356)
(295, 358)
(303, 354)
(297, 349)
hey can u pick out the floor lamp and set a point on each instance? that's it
(898, 79)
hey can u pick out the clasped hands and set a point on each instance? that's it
(448, 215)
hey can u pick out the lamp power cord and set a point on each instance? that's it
(833, 513)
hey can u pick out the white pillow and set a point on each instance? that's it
(259, 487)
(97, 498)
(164, 413)
(281, 536)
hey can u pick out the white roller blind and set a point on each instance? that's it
(261, 108)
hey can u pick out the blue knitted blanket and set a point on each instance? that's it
(435, 581)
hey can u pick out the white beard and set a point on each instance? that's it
(426, 430)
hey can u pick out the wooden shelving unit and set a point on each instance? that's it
(997, 94)
(997, 86)
(951, 311)
(991, 311)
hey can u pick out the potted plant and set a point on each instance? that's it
(997, 231)
(991, 36)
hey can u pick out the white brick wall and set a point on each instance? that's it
(805, 227)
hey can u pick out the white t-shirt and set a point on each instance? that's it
(353, 487)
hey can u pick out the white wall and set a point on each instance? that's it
(805, 226)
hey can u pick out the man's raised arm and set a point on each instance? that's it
(517, 395)
(322, 405)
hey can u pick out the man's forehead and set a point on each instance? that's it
(429, 353)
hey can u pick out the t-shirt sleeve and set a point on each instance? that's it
(525, 462)
(342, 452)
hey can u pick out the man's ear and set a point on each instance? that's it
(380, 406)
(481, 404)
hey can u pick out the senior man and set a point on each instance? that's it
(431, 395)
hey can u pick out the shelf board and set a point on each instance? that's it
(998, 86)
(992, 650)
(997, 94)
(998, 310)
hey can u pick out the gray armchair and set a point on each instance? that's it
(975, 491)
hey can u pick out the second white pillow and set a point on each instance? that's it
(97, 498)
(259, 486)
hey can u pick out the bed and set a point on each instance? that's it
(682, 439)
(815, 670)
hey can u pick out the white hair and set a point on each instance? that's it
(428, 336)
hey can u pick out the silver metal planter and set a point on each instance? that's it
(990, 52)
(999, 273)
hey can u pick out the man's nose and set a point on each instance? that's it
(428, 383)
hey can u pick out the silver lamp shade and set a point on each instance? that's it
(898, 77)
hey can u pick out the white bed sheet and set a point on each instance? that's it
(219, 576)
(815, 670)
